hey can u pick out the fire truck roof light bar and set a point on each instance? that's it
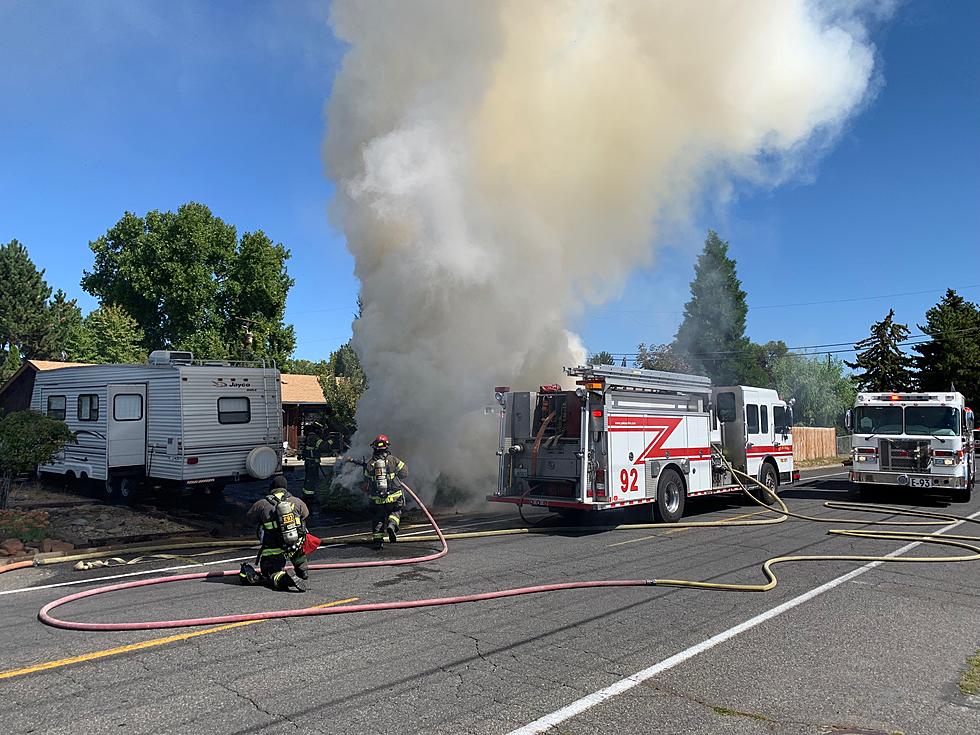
(621, 377)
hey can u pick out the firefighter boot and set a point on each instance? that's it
(248, 575)
(392, 530)
(378, 543)
(296, 582)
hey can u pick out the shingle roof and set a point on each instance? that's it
(53, 365)
(301, 389)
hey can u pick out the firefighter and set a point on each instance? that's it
(312, 451)
(383, 477)
(280, 519)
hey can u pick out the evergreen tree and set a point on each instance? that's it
(24, 319)
(67, 338)
(881, 362)
(952, 355)
(711, 337)
(601, 358)
(113, 337)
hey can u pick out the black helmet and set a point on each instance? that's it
(279, 483)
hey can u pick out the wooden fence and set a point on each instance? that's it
(812, 442)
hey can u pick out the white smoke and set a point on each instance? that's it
(501, 165)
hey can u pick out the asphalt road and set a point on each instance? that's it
(881, 650)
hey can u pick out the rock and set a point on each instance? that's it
(46, 545)
(13, 546)
(62, 546)
(3, 552)
(31, 550)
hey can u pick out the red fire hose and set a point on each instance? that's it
(45, 613)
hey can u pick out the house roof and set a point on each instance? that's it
(301, 389)
(53, 365)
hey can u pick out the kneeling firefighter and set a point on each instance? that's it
(280, 518)
(383, 477)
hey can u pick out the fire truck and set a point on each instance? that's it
(920, 440)
(628, 437)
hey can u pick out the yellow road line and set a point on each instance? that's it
(681, 530)
(140, 646)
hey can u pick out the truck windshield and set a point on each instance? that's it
(934, 420)
(878, 420)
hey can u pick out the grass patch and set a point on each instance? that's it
(26, 525)
(729, 712)
(970, 681)
(821, 462)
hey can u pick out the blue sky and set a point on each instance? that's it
(115, 106)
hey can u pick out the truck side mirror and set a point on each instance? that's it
(848, 420)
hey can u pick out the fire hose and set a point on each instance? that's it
(45, 614)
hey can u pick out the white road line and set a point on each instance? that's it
(549, 721)
(141, 573)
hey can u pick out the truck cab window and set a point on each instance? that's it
(752, 418)
(726, 407)
(56, 407)
(764, 416)
(779, 423)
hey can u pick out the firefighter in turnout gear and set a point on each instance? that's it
(383, 476)
(312, 451)
(280, 518)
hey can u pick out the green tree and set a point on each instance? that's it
(24, 318)
(343, 384)
(711, 337)
(190, 283)
(951, 357)
(880, 360)
(821, 387)
(758, 364)
(601, 358)
(113, 336)
(28, 439)
(661, 357)
(68, 338)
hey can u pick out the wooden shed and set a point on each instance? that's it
(15, 394)
(302, 403)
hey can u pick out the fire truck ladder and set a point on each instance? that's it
(638, 379)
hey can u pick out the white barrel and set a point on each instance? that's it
(262, 463)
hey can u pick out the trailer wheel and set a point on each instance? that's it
(129, 488)
(769, 478)
(110, 490)
(669, 506)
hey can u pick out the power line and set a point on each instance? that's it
(813, 349)
(806, 303)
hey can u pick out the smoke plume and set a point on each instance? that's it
(500, 165)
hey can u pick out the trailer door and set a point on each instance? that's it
(126, 445)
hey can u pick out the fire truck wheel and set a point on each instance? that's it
(770, 479)
(670, 497)
(961, 495)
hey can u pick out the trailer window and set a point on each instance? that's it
(751, 418)
(234, 410)
(726, 407)
(127, 407)
(88, 407)
(764, 416)
(56, 407)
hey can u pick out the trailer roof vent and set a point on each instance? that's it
(170, 357)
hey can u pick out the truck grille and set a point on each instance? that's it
(904, 455)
